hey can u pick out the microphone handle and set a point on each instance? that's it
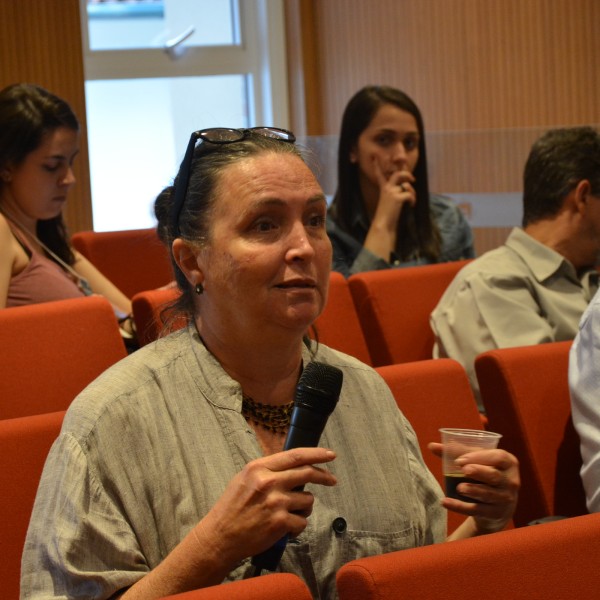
(306, 427)
(305, 430)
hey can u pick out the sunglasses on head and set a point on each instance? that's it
(216, 135)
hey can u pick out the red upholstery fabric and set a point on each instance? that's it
(150, 312)
(134, 260)
(433, 394)
(557, 561)
(24, 445)
(51, 351)
(526, 394)
(275, 586)
(338, 326)
(394, 305)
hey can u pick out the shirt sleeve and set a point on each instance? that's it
(428, 488)
(465, 237)
(584, 386)
(75, 532)
(481, 312)
(349, 255)
(455, 231)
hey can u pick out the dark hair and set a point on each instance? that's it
(27, 114)
(416, 230)
(195, 219)
(557, 162)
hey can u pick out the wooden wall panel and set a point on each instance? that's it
(487, 238)
(303, 76)
(469, 64)
(40, 42)
(479, 161)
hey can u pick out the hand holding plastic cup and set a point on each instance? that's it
(457, 442)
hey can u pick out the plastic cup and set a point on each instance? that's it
(457, 442)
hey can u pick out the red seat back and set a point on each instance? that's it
(51, 351)
(24, 445)
(338, 325)
(556, 560)
(525, 391)
(394, 305)
(275, 586)
(433, 394)
(134, 260)
(151, 313)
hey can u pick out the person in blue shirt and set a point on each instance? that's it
(382, 215)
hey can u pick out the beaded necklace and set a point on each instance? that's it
(272, 418)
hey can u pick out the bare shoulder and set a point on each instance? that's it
(11, 251)
(8, 259)
(6, 235)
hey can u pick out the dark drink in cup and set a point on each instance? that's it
(456, 443)
(452, 481)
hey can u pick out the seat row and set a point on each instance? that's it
(362, 317)
(53, 350)
(44, 370)
(380, 317)
(553, 560)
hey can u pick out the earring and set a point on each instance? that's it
(199, 289)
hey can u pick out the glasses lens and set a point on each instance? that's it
(274, 132)
(216, 135)
(221, 135)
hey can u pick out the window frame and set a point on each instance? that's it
(261, 56)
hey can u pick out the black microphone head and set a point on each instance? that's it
(319, 387)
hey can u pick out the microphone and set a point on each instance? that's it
(316, 396)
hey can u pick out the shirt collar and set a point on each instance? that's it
(212, 380)
(542, 260)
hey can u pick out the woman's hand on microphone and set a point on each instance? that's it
(261, 504)
(258, 507)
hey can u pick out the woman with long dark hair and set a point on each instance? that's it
(383, 214)
(39, 141)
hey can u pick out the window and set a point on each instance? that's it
(155, 71)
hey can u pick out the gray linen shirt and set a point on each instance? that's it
(520, 294)
(147, 449)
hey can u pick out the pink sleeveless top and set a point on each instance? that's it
(42, 280)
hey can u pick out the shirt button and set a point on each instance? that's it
(339, 525)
